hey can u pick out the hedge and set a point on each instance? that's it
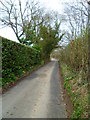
(16, 60)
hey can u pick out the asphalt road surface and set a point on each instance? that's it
(37, 96)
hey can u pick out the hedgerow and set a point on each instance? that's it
(75, 55)
(16, 60)
(74, 64)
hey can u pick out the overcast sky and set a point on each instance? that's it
(55, 5)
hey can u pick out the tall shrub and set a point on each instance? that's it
(75, 55)
(17, 59)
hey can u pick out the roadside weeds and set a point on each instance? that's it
(75, 95)
(66, 98)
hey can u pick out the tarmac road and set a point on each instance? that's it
(37, 96)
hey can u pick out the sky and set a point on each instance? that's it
(55, 5)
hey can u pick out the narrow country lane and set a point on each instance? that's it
(37, 96)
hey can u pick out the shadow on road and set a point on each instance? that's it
(56, 108)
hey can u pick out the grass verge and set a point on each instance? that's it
(77, 92)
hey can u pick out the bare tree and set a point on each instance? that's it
(21, 17)
(76, 15)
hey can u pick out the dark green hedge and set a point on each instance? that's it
(16, 60)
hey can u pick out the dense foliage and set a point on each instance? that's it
(76, 55)
(20, 58)
(78, 93)
(74, 64)
(50, 38)
(17, 59)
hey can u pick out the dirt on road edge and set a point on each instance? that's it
(66, 98)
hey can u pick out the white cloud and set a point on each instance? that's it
(52, 4)
(8, 33)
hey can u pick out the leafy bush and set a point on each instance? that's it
(17, 58)
(75, 55)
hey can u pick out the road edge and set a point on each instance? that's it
(66, 98)
(11, 85)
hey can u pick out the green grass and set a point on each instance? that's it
(70, 82)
